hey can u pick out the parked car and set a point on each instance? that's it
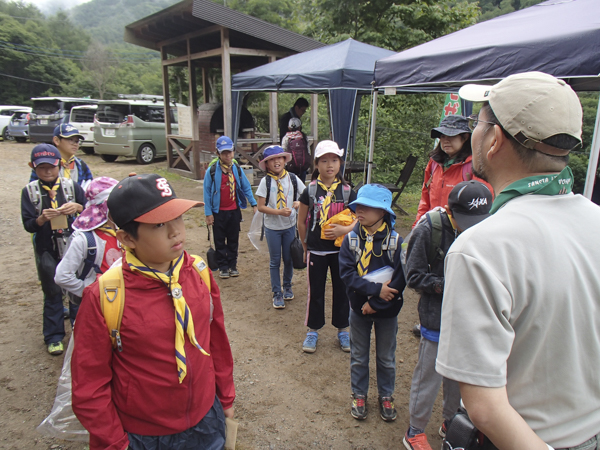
(82, 118)
(132, 127)
(18, 127)
(48, 112)
(6, 112)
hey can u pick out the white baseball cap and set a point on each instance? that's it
(326, 146)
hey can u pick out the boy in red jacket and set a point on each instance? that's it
(169, 383)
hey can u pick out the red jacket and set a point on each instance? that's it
(137, 390)
(436, 194)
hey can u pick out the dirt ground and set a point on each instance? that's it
(286, 399)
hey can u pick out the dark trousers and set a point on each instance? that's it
(317, 278)
(208, 434)
(227, 237)
(54, 327)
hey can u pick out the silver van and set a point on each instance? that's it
(48, 112)
(133, 127)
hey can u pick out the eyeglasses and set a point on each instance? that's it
(474, 120)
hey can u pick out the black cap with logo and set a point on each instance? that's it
(470, 203)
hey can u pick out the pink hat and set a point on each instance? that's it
(96, 209)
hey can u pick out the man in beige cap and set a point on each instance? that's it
(520, 318)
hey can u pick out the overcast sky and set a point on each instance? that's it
(51, 6)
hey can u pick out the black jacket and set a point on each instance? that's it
(360, 289)
(425, 277)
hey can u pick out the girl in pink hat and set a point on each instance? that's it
(93, 248)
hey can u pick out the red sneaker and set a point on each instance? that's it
(419, 442)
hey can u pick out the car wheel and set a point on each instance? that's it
(21, 140)
(88, 150)
(109, 158)
(146, 154)
(5, 134)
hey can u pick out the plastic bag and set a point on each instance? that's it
(344, 218)
(257, 234)
(61, 422)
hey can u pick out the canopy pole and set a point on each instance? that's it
(372, 138)
(593, 164)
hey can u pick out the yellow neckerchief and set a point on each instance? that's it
(329, 198)
(183, 316)
(108, 230)
(52, 192)
(67, 166)
(365, 257)
(230, 179)
(281, 200)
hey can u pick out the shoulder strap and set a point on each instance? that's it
(467, 171)
(68, 189)
(435, 220)
(346, 193)
(89, 262)
(434, 166)
(390, 244)
(202, 269)
(354, 244)
(112, 302)
(35, 195)
(312, 200)
(294, 184)
(239, 170)
(268, 181)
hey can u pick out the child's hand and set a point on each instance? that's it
(210, 220)
(285, 212)
(69, 208)
(228, 412)
(335, 230)
(50, 213)
(296, 205)
(366, 309)
(387, 293)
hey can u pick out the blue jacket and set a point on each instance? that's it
(360, 289)
(212, 190)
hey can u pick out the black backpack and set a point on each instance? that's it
(298, 148)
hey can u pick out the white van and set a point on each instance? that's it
(82, 118)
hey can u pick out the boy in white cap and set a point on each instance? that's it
(226, 189)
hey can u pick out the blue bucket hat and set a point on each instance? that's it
(271, 152)
(224, 143)
(375, 196)
(451, 126)
(66, 130)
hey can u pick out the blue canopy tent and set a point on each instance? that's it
(559, 37)
(344, 71)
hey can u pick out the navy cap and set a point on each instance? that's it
(224, 143)
(45, 153)
(470, 203)
(66, 130)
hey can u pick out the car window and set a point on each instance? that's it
(20, 115)
(45, 107)
(115, 113)
(82, 115)
(141, 112)
(156, 113)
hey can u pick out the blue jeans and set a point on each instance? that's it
(385, 351)
(279, 243)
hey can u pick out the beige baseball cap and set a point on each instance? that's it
(532, 106)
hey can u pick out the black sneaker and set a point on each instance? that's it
(386, 409)
(359, 406)
(224, 273)
(234, 273)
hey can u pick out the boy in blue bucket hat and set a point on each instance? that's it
(371, 269)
